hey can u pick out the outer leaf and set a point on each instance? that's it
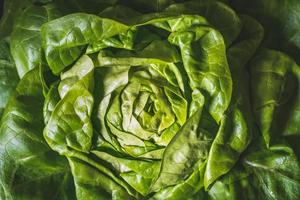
(211, 78)
(235, 185)
(229, 24)
(24, 156)
(139, 173)
(236, 127)
(275, 94)
(8, 74)
(186, 188)
(277, 171)
(280, 19)
(11, 11)
(93, 185)
(147, 6)
(26, 44)
(87, 6)
(65, 38)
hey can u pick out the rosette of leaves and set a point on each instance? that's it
(151, 104)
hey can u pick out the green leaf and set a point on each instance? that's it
(145, 6)
(235, 132)
(229, 24)
(280, 20)
(51, 100)
(275, 94)
(236, 184)
(91, 184)
(213, 79)
(69, 125)
(8, 74)
(138, 173)
(186, 188)
(87, 6)
(65, 38)
(26, 44)
(24, 155)
(277, 170)
(189, 146)
(11, 11)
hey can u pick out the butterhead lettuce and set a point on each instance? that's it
(147, 100)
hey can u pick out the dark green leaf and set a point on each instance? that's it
(8, 74)
(27, 164)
